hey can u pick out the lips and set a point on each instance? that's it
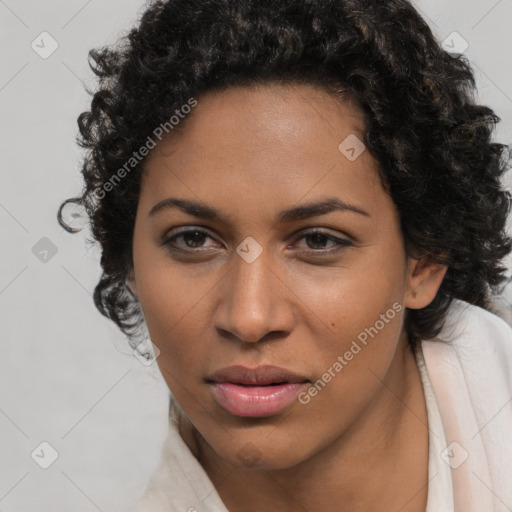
(260, 376)
(257, 392)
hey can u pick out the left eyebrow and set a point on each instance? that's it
(301, 212)
(315, 209)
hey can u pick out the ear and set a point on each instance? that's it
(424, 277)
(131, 283)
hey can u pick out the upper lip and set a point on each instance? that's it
(259, 376)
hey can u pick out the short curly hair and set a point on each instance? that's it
(430, 138)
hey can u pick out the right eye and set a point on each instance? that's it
(192, 239)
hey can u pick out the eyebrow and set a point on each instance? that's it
(301, 212)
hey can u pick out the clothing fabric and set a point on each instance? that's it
(466, 372)
(440, 489)
(470, 369)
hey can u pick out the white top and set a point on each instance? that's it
(467, 379)
(440, 490)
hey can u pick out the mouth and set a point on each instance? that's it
(258, 392)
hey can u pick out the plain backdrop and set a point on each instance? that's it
(68, 378)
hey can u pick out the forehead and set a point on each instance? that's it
(273, 143)
(280, 114)
(274, 110)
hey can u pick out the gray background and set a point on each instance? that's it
(67, 376)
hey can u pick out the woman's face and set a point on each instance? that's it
(277, 247)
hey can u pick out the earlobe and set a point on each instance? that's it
(423, 281)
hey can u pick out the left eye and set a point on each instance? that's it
(317, 238)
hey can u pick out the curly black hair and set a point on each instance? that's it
(430, 138)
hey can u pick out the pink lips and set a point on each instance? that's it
(262, 391)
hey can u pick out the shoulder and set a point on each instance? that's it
(470, 368)
(479, 339)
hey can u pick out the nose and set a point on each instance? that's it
(254, 302)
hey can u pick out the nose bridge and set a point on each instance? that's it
(253, 303)
(252, 281)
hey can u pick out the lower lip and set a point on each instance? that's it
(255, 401)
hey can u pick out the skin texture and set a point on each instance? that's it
(362, 442)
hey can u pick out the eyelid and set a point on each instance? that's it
(323, 231)
(180, 230)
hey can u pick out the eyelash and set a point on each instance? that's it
(341, 243)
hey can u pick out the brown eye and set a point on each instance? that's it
(317, 240)
(189, 239)
(194, 237)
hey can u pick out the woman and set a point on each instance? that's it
(302, 203)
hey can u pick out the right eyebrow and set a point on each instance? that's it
(190, 207)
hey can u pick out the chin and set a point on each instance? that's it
(262, 454)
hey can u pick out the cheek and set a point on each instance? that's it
(362, 306)
(174, 305)
(177, 324)
(365, 322)
(349, 299)
(351, 368)
(165, 293)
